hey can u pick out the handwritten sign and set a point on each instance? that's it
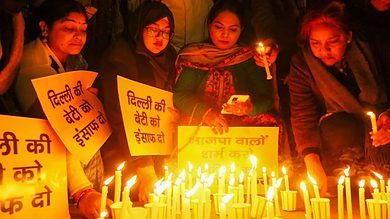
(33, 179)
(201, 146)
(147, 120)
(76, 114)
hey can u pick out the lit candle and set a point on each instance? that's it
(276, 196)
(231, 184)
(248, 187)
(103, 198)
(176, 198)
(126, 202)
(373, 122)
(265, 179)
(103, 215)
(221, 179)
(209, 183)
(388, 198)
(315, 187)
(270, 205)
(222, 206)
(340, 197)
(201, 197)
(348, 193)
(261, 50)
(166, 172)
(362, 200)
(186, 214)
(375, 194)
(118, 182)
(232, 170)
(241, 188)
(286, 183)
(253, 160)
(305, 194)
(190, 174)
(206, 169)
(381, 183)
(388, 186)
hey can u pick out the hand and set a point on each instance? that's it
(315, 169)
(89, 205)
(239, 108)
(382, 137)
(216, 121)
(271, 50)
(381, 5)
(147, 177)
(93, 90)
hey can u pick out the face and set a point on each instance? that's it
(225, 30)
(328, 43)
(67, 36)
(156, 36)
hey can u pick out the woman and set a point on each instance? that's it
(144, 55)
(61, 26)
(211, 72)
(333, 82)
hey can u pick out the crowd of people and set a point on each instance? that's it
(328, 70)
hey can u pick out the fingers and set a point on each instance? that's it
(220, 125)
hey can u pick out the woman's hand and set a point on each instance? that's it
(216, 121)
(382, 137)
(239, 108)
(315, 169)
(271, 51)
(89, 204)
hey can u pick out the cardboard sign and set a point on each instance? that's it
(199, 145)
(33, 179)
(75, 114)
(148, 123)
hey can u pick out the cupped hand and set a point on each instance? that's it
(271, 51)
(382, 137)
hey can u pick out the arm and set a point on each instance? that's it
(7, 74)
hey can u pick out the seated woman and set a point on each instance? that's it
(209, 73)
(62, 25)
(333, 82)
(143, 54)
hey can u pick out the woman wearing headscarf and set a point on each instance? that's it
(142, 54)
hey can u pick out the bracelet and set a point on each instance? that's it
(82, 194)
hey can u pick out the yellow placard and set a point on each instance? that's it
(75, 114)
(33, 179)
(146, 117)
(200, 146)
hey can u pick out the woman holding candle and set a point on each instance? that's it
(333, 82)
(210, 72)
(143, 54)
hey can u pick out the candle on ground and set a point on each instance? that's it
(362, 200)
(261, 50)
(286, 183)
(103, 198)
(241, 188)
(373, 122)
(232, 170)
(209, 183)
(340, 197)
(270, 205)
(190, 167)
(315, 186)
(221, 179)
(126, 202)
(276, 197)
(186, 214)
(381, 183)
(265, 180)
(103, 215)
(222, 206)
(306, 200)
(118, 182)
(253, 160)
(374, 185)
(348, 197)
(248, 187)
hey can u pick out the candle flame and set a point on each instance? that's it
(199, 171)
(253, 161)
(120, 167)
(250, 172)
(312, 179)
(278, 183)
(178, 181)
(273, 174)
(131, 181)
(165, 168)
(231, 181)
(303, 186)
(210, 180)
(164, 185)
(190, 166)
(261, 45)
(270, 193)
(341, 179)
(170, 177)
(227, 198)
(182, 175)
(241, 180)
(361, 183)
(206, 167)
(284, 171)
(192, 191)
(233, 167)
(264, 169)
(374, 184)
(346, 171)
(103, 214)
(377, 175)
(388, 182)
(157, 184)
(107, 181)
(370, 113)
(222, 171)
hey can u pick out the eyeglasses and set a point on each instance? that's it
(154, 32)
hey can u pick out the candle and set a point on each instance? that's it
(340, 197)
(270, 205)
(265, 180)
(381, 183)
(253, 160)
(362, 205)
(373, 122)
(126, 203)
(186, 214)
(209, 182)
(348, 193)
(248, 187)
(103, 215)
(315, 187)
(375, 194)
(305, 194)
(221, 179)
(118, 182)
(190, 174)
(103, 198)
(165, 172)
(261, 50)
(286, 183)
(231, 184)
(222, 205)
(388, 198)
(206, 169)
(241, 188)
(176, 198)
(232, 170)
(276, 196)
